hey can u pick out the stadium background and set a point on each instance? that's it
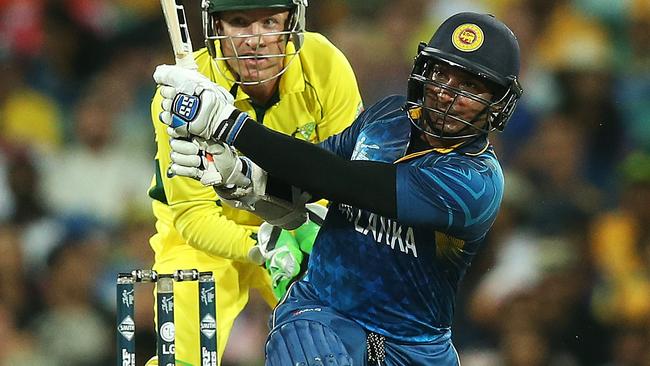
(565, 277)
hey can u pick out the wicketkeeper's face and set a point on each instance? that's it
(256, 43)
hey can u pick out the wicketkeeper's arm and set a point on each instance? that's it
(369, 185)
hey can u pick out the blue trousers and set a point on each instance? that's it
(306, 332)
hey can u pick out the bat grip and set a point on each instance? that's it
(187, 62)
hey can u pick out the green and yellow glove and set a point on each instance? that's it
(280, 253)
(306, 234)
(285, 253)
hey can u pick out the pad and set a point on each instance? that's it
(305, 343)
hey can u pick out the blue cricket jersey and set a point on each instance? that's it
(399, 277)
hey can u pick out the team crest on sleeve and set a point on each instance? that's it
(467, 37)
(305, 131)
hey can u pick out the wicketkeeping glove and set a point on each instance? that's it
(286, 253)
(193, 105)
(280, 253)
(306, 234)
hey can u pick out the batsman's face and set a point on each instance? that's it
(456, 100)
(257, 42)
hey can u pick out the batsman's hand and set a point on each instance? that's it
(193, 159)
(280, 253)
(212, 163)
(193, 105)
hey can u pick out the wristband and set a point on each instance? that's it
(229, 128)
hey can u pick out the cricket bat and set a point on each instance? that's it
(179, 33)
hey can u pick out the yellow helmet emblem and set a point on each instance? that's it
(467, 37)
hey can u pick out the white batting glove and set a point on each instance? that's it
(195, 106)
(212, 163)
(236, 194)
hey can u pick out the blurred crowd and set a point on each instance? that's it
(564, 279)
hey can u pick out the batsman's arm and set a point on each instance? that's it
(214, 117)
(195, 212)
(369, 185)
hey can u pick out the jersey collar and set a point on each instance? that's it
(292, 81)
(473, 147)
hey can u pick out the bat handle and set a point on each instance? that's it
(187, 62)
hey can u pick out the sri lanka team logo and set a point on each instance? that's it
(467, 37)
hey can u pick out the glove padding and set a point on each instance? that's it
(280, 253)
(238, 181)
(306, 234)
(276, 211)
(193, 105)
(212, 163)
(285, 254)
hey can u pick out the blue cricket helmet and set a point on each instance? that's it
(481, 45)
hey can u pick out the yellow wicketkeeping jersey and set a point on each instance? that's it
(318, 97)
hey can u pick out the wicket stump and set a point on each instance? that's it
(165, 315)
